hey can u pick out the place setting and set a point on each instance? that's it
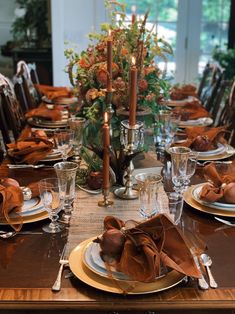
(216, 196)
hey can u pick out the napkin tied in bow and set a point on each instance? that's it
(214, 191)
(11, 199)
(30, 150)
(42, 111)
(191, 111)
(151, 244)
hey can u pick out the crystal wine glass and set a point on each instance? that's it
(64, 142)
(77, 125)
(52, 194)
(179, 159)
(66, 173)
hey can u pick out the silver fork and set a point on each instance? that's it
(63, 261)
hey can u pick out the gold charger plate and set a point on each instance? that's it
(83, 273)
(205, 209)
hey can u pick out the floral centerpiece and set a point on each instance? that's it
(88, 73)
(88, 70)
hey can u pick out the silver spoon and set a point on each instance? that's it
(207, 262)
(11, 234)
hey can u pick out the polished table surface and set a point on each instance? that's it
(29, 265)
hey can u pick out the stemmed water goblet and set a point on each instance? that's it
(64, 142)
(77, 124)
(66, 173)
(166, 126)
(179, 159)
(52, 194)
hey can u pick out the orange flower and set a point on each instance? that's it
(124, 51)
(92, 94)
(143, 85)
(84, 64)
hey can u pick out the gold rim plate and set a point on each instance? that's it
(49, 124)
(229, 151)
(34, 211)
(205, 209)
(83, 273)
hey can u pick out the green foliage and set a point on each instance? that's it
(227, 61)
(32, 28)
(88, 70)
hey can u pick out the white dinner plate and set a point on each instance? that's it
(47, 124)
(217, 205)
(93, 261)
(32, 210)
(201, 121)
(220, 149)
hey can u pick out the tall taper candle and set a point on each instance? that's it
(106, 144)
(109, 62)
(133, 93)
(133, 15)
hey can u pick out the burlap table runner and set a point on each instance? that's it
(87, 217)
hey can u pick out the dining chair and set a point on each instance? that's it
(3, 126)
(227, 116)
(220, 100)
(10, 111)
(209, 85)
(24, 87)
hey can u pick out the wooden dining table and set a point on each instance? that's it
(29, 264)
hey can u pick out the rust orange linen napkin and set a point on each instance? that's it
(219, 186)
(150, 245)
(11, 199)
(182, 92)
(191, 111)
(43, 112)
(201, 138)
(54, 92)
(30, 150)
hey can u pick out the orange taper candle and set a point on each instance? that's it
(133, 93)
(109, 62)
(106, 144)
(133, 16)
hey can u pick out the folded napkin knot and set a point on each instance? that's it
(30, 150)
(43, 112)
(220, 187)
(191, 111)
(149, 249)
(11, 199)
(201, 138)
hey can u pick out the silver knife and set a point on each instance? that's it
(201, 281)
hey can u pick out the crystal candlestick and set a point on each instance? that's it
(132, 138)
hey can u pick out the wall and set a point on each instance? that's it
(72, 20)
(6, 19)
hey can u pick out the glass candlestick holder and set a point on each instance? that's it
(132, 138)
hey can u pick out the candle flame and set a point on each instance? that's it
(133, 8)
(133, 61)
(106, 117)
(110, 32)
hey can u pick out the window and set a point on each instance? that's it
(192, 27)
